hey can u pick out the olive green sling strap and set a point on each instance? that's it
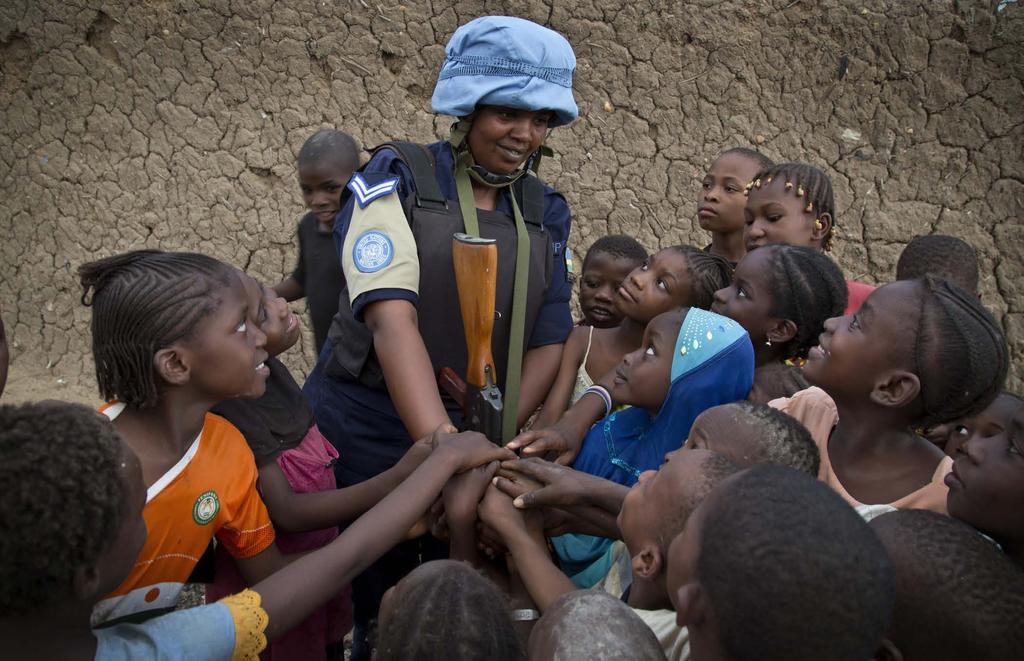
(513, 379)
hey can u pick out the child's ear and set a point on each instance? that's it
(822, 224)
(896, 389)
(171, 364)
(85, 583)
(648, 562)
(783, 331)
(887, 651)
(691, 605)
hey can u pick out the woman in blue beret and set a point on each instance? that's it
(374, 389)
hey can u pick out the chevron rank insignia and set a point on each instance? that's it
(365, 193)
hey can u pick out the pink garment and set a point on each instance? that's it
(816, 411)
(308, 469)
(856, 294)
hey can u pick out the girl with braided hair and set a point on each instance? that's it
(917, 353)
(172, 335)
(793, 203)
(782, 295)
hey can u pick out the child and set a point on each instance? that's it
(296, 477)
(986, 485)
(689, 361)
(445, 609)
(722, 198)
(793, 203)
(680, 276)
(609, 260)
(172, 335)
(940, 256)
(326, 162)
(591, 624)
(918, 352)
(773, 565)
(994, 420)
(747, 434)
(79, 507)
(957, 596)
(653, 512)
(782, 295)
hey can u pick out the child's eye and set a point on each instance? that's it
(854, 322)
(662, 285)
(649, 351)
(645, 266)
(705, 185)
(962, 431)
(741, 293)
(241, 327)
(732, 189)
(774, 218)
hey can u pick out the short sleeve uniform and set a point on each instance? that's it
(378, 252)
(319, 273)
(211, 491)
(816, 411)
(379, 260)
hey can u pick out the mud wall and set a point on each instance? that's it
(175, 123)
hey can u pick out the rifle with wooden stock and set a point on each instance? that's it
(476, 271)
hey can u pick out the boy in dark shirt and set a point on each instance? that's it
(326, 163)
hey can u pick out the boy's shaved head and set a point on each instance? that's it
(592, 624)
(957, 595)
(328, 146)
(789, 570)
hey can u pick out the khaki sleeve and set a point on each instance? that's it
(380, 250)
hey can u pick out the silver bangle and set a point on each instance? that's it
(525, 615)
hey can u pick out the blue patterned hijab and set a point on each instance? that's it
(713, 363)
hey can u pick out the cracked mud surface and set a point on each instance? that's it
(175, 124)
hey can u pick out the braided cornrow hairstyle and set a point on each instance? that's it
(708, 274)
(143, 301)
(809, 183)
(960, 353)
(454, 614)
(808, 289)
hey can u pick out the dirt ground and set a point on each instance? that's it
(175, 124)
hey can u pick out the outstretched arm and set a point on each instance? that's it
(292, 593)
(525, 542)
(299, 512)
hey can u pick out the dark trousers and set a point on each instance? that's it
(370, 438)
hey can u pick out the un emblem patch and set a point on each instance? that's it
(372, 251)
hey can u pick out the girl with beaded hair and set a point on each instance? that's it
(793, 203)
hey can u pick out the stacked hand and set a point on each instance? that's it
(538, 483)
(556, 438)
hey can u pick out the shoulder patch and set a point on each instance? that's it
(365, 193)
(372, 251)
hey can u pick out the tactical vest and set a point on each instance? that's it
(434, 219)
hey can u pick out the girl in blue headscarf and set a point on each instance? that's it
(689, 360)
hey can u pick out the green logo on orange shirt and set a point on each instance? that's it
(206, 507)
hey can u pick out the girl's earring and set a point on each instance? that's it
(818, 224)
